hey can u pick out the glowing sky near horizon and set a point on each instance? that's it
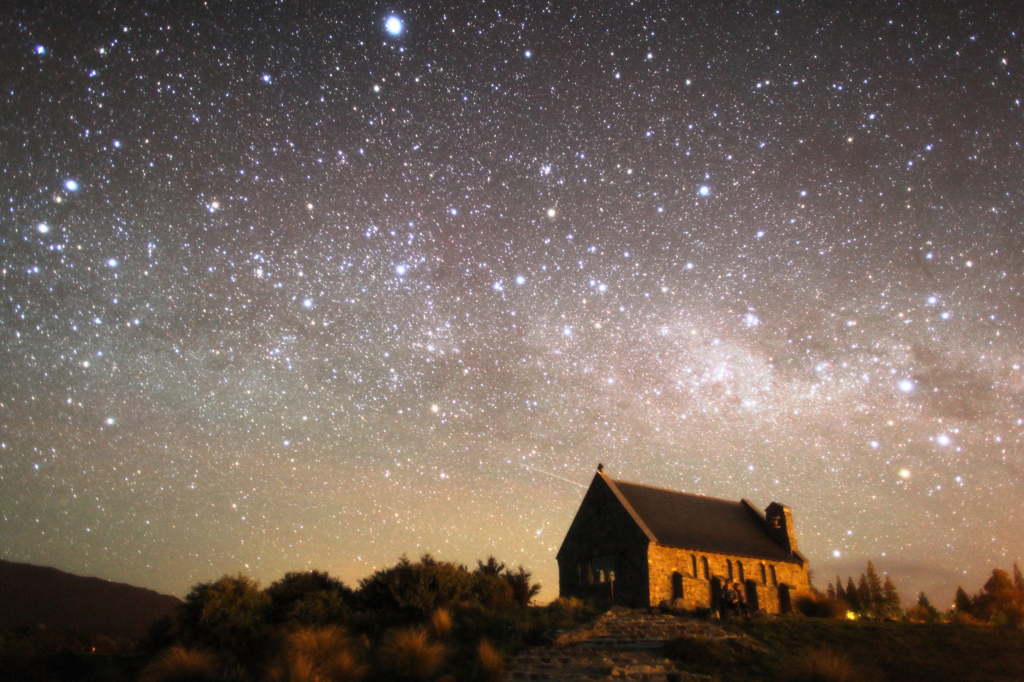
(317, 286)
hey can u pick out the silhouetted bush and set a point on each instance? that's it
(820, 606)
(312, 598)
(414, 590)
(226, 615)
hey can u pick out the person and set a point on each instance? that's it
(729, 599)
(741, 600)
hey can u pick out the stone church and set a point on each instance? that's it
(639, 546)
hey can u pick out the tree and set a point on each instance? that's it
(890, 598)
(923, 610)
(830, 591)
(852, 598)
(523, 591)
(962, 602)
(492, 567)
(864, 596)
(876, 598)
(1018, 579)
(840, 592)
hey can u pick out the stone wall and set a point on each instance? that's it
(663, 562)
(602, 528)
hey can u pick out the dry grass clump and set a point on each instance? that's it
(179, 664)
(441, 623)
(317, 655)
(492, 663)
(823, 665)
(409, 654)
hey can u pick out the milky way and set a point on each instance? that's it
(313, 285)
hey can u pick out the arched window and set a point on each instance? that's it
(775, 580)
(739, 571)
(728, 567)
(707, 569)
(764, 575)
(693, 560)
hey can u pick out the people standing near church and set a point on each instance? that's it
(741, 599)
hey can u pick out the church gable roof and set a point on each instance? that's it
(700, 523)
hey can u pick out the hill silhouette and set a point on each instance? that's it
(33, 595)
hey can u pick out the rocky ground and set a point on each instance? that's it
(621, 644)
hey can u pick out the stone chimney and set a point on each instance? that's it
(780, 525)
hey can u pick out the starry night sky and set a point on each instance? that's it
(288, 286)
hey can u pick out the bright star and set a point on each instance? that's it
(112, 263)
(528, 54)
(906, 385)
(394, 25)
(551, 213)
(71, 185)
(943, 440)
(704, 190)
(40, 49)
(43, 228)
(307, 303)
(520, 280)
(401, 270)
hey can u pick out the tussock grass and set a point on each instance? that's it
(823, 665)
(179, 664)
(409, 654)
(441, 623)
(317, 655)
(490, 660)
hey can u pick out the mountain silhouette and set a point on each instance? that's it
(34, 595)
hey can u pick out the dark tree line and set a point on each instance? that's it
(869, 596)
(1000, 600)
(413, 620)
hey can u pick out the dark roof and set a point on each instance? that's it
(708, 524)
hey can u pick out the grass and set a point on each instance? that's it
(409, 654)
(835, 650)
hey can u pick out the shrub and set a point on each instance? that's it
(416, 589)
(178, 664)
(311, 598)
(317, 655)
(227, 614)
(409, 654)
(820, 606)
(963, 618)
(490, 660)
(823, 666)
